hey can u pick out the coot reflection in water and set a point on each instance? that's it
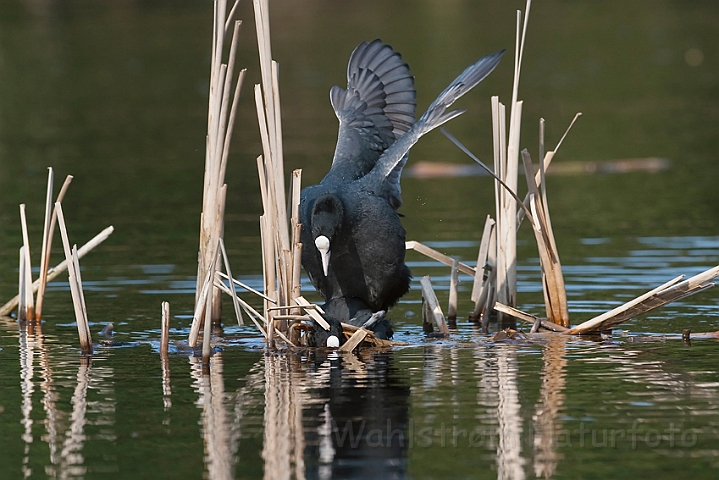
(359, 427)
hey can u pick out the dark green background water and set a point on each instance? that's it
(115, 93)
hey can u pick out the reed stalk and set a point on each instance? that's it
(357, 337)
(480, 285)
(438, 256)
(506, 163)
(279, 225)
(45, 251)
(429, 298)
(222, 107)
(22, 287)
(47, 247)
(28, 312)
(75, 281)
(552, 279)
(165, 332)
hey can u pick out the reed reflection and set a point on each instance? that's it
(220, 444)
(547, 423)
(65, 431)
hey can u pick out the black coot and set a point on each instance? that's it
(354, 243)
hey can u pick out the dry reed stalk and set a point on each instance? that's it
(658, 297)
(272, 181)
(480, 286)
(300, 318)
(28, 312)
(78, 278)
(452, 303)
(222, 107)
(552, 278)
(479, 274)
(506, 161)
(529, 318)
(429, 298)
(207, 333)
(200, 304)
(235, 303)
(45, 251)
(312, 311)
(440, 257)
(75, 281)
(59, 268)
(269, 274)
(349, 330)
(165, 332)
(22, 288)
(357, 337)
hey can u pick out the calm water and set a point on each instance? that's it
(115, 94)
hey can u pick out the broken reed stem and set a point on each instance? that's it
(348, 329)
(357, 337)
(165, 332)
(430, 300)
(513, 312)
(312, 311)
(440, 257)
(29, 308)
(660, 296)
(553, 280)
(60, 267)
(71, 256)
(207, 332)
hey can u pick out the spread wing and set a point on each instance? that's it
(386, 176)
(377, 107)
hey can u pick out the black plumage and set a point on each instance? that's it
(354, 242)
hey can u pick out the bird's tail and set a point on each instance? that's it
(437, 113)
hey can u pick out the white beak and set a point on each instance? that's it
(323, 245)
(333, 341)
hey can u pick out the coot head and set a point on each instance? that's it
(327, 218)
(319, 337)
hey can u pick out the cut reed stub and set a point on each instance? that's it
(165, 335)
(431, 308)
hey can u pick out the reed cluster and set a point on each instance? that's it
(29, 309)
